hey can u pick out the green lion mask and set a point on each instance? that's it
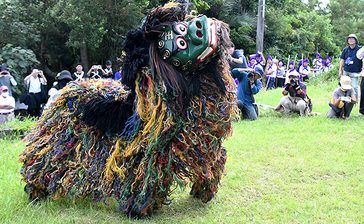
(189, 45)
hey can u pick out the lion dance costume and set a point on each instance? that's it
(134, 141)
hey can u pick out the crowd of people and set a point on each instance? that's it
(251, 76)
(37, 97)
(259, 73)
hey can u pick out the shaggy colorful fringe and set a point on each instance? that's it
(65, 157)
(73, 153)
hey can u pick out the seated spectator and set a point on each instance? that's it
(79, 74)
(294, 97)
(249, 85)
(7, 105)
(343, 99)
(118, 75)
(62, 79)
(108, 73)
(6, 79)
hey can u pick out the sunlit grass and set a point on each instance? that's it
(280, 169)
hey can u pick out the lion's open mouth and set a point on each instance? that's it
(213, 41)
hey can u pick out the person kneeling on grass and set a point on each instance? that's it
(295, 98)
(343, 99)
(249, 85)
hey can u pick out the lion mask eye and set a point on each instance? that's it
(181, 28)
(181, 43)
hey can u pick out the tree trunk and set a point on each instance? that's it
(84, 56)
(260, 25)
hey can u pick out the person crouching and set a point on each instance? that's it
(343, 99)
(249, 85)
(294, 97)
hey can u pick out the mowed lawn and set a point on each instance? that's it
(280, 169)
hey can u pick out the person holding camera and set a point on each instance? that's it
(343, 99)
(350, 65)
(34, 83)
(294, 96)
(249, 85)
(6, 79)
(96, 72)
(7, 105)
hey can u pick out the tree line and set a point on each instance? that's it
(57, 34)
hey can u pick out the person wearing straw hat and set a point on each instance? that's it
(249, 85)
(343, 99)
(350, 65)
(294, 97)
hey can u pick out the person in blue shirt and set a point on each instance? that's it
(238, 59)
(350, 64)
(249, 85)
(118, 75)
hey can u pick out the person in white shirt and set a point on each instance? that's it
(34, 83)
(79, 74)
(305, 70)
(108, 70)
(271, 72)
(7, 105)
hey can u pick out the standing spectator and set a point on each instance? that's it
(349, 64)
(304, 70)
(280, 74)
(360, 56)
(271, 72)
(259, 58)
(317, 64)
(237, 59)
(329, 65)
(108, 73)
(249, 85)
(7, 105)
(343, 100)
(79, 74)
(291, 71)
(62, 78)
(6, 79)
(34, 83)
(118, 75)
(96, 72)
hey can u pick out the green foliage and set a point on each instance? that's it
(347, 17)
(298, 30)
(18, 60)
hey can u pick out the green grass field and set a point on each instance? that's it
(280, 169)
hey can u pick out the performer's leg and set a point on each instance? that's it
(206, 188)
